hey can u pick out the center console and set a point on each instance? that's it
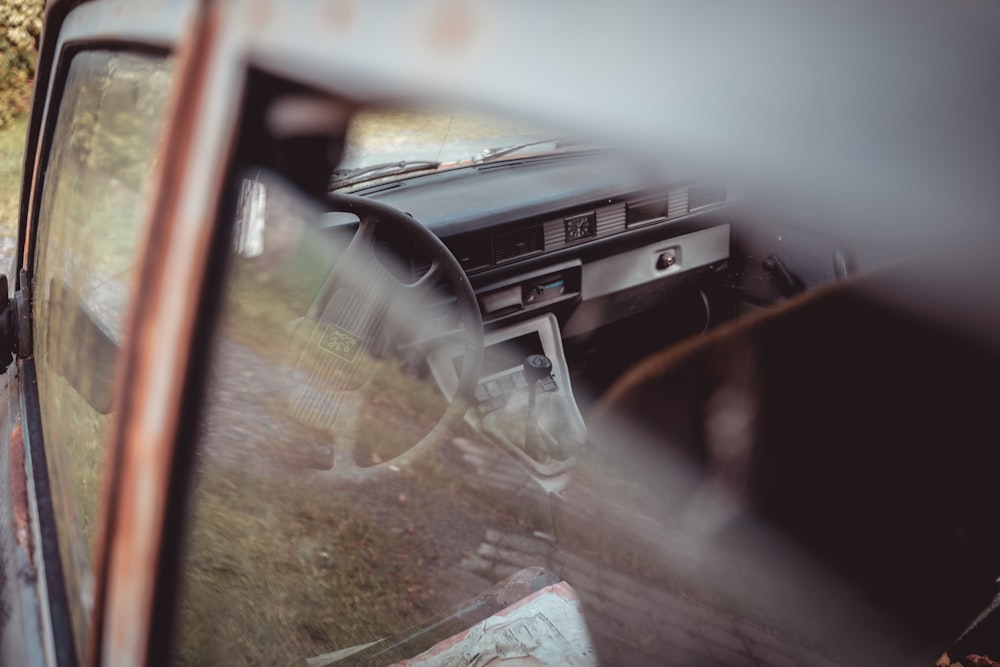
(501, 408)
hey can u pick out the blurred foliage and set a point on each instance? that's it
(20, 33)
(11, 157)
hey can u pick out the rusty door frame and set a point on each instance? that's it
(153, 370)
(172, 257)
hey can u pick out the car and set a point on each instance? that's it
(446, 332)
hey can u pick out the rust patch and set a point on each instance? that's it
(29, 229)
(151, 373)
(452, 27)
(19, 488)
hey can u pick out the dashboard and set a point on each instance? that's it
(556, 232)
(557, 247)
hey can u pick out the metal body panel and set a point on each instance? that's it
(160, 338)
(100, 25)
(25, 638)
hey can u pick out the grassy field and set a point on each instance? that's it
(11, 156)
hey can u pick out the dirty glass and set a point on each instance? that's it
(103, 151)
(327, 528)
(434, 139)
(444, 135)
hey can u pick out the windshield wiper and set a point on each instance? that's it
(345, 177)
(488, 154)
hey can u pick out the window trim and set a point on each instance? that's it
(53, 595)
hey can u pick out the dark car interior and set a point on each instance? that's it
(679, 303)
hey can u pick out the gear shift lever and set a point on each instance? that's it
(537, 421)
(537, 367)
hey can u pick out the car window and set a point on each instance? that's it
(340, 510)
(343, 513)
(103, 151)
(273, 564)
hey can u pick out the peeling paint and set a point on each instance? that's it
(19, 489)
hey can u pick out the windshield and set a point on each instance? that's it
(389, 143)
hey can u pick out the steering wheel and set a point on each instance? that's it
(341, 336)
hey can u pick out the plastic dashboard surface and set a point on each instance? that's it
(504, 218)
(493, 194)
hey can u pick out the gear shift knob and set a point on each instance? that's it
(537, 367)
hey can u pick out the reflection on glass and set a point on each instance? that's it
(277, 543)
(103, 152)
(316, 538)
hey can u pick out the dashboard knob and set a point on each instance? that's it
(665, 260)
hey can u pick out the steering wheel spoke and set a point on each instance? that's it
(427, 281)
(345, 442)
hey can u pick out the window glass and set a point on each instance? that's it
(337, 502)
(433, 138)
(96, 186)
(342, 515)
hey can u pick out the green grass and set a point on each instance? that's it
(11, 157)
(283, 569)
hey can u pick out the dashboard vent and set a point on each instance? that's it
(647, 210)
(517, 244)
(706, 195)
(677, 202)
(471, 253)
(610, 219)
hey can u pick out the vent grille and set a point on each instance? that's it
(517, 244)
(678, 199)
(734, 192)
(645, 211)
(555, 234)
(610, 219)
(705, 195)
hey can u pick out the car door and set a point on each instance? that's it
(101, 104)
